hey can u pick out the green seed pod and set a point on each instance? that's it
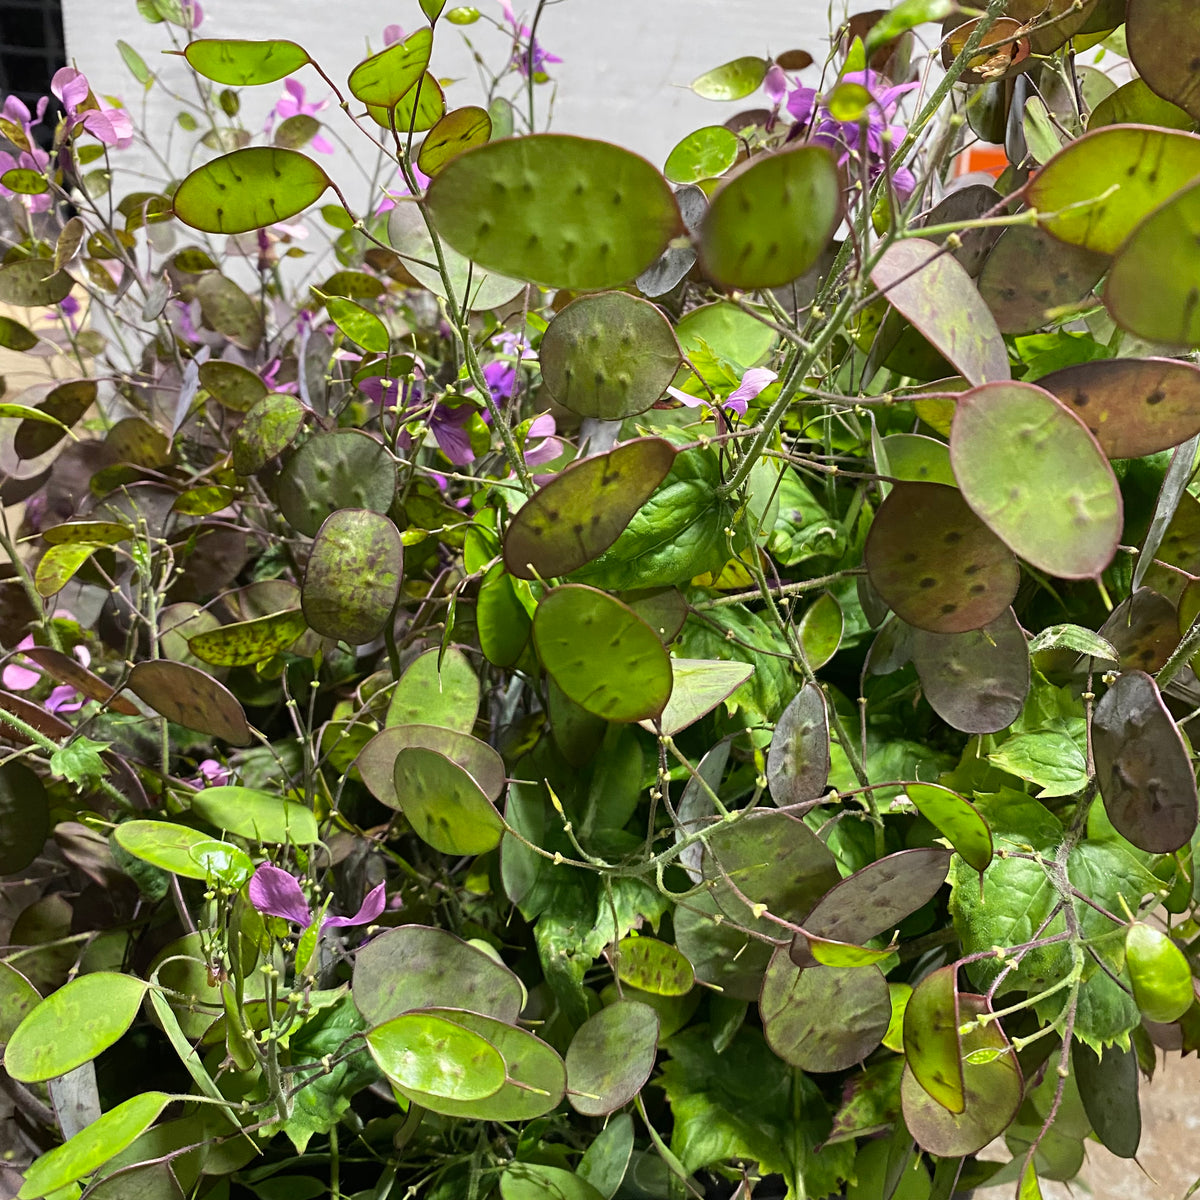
(1161, 977)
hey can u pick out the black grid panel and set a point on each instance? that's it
(31, 47)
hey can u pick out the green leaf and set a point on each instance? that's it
(1072, 637)
(609, 356)
(1096, 190)
(820, 630)
(698, 687)
(732, 80)
(79, 761)
(935, 293)
(183, 851)
(248, 189)
(704, 154)
(434, 1055)
(384, 78)
(136, 64)
(1034, 474)
(602, 655)
(748, 1104)
(73, 1025)
(908, 14)
(248, 642)
(353, 576)
(502, 204)
(1055, 760)
(93, 1146)
(769, 223)
(241, 63)
(24, 817)
(455, 132)
(445, 806)
(581, 512)
(256, 816)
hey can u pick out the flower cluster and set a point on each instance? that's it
(527, 52)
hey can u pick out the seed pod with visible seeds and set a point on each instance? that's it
(1159, 972)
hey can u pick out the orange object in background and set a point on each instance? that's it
(984, 158)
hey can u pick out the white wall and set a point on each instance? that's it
(624, 77)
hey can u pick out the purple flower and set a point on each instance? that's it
(276, 893)
(775, 84)
(870, 136)
(393, 34)
(33, 159)
(111, 126)
(549, 448)
(753, 382)
(293, 104)
(524, 49)
(448, 426)
(193, 12)
(212, 774)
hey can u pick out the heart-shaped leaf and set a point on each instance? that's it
(609, 356)
(603, 656)
(1034, 474)
(582, 511)
(931, 290)
(503, 205)
(936, 563)
(769, 222)
(249, 189)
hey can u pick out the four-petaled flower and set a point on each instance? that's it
(276, 893)
(869, 135)
(112, 126)
(63, 698)
(33, 159)
(293, 104)
(526, 51)
(753, 382)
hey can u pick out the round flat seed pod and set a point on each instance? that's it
(770, 222)
(966, 204)
(1134, 406)
(268, 429)
(1029, 273)
(444, 805)
(561, 211)
(343, 469)
(1057, 20)
(1075, 188)
(1142, 766)
(611, 1057)
(430, 1054)
(1164, 44)
(936, 563)
(798, 761)
(1108, 1087)
(774, 860)
(353, 575)
(956, 819)
(603, 656)
(992, 1092)
(377, 759)
(876, 899)
(191, 698)
(1151, 289)
(582, 511)
(1034, 474)
(720, 952)
(976, 681)
(931, 1045)
(1133, 103)
(609, 356)
(824, 1018)
(933, 292)
(1143, 630)
(914, 458)
(415, 966)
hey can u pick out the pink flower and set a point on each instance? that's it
(212, 774)
(193, 12)
(276, 893)
(526, 53)
(392, 34)
(292, 104)
(546, 450)
(111, 126)
(753, 382)
(33, 159)
(775, 83)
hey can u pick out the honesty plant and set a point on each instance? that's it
(531, 675)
